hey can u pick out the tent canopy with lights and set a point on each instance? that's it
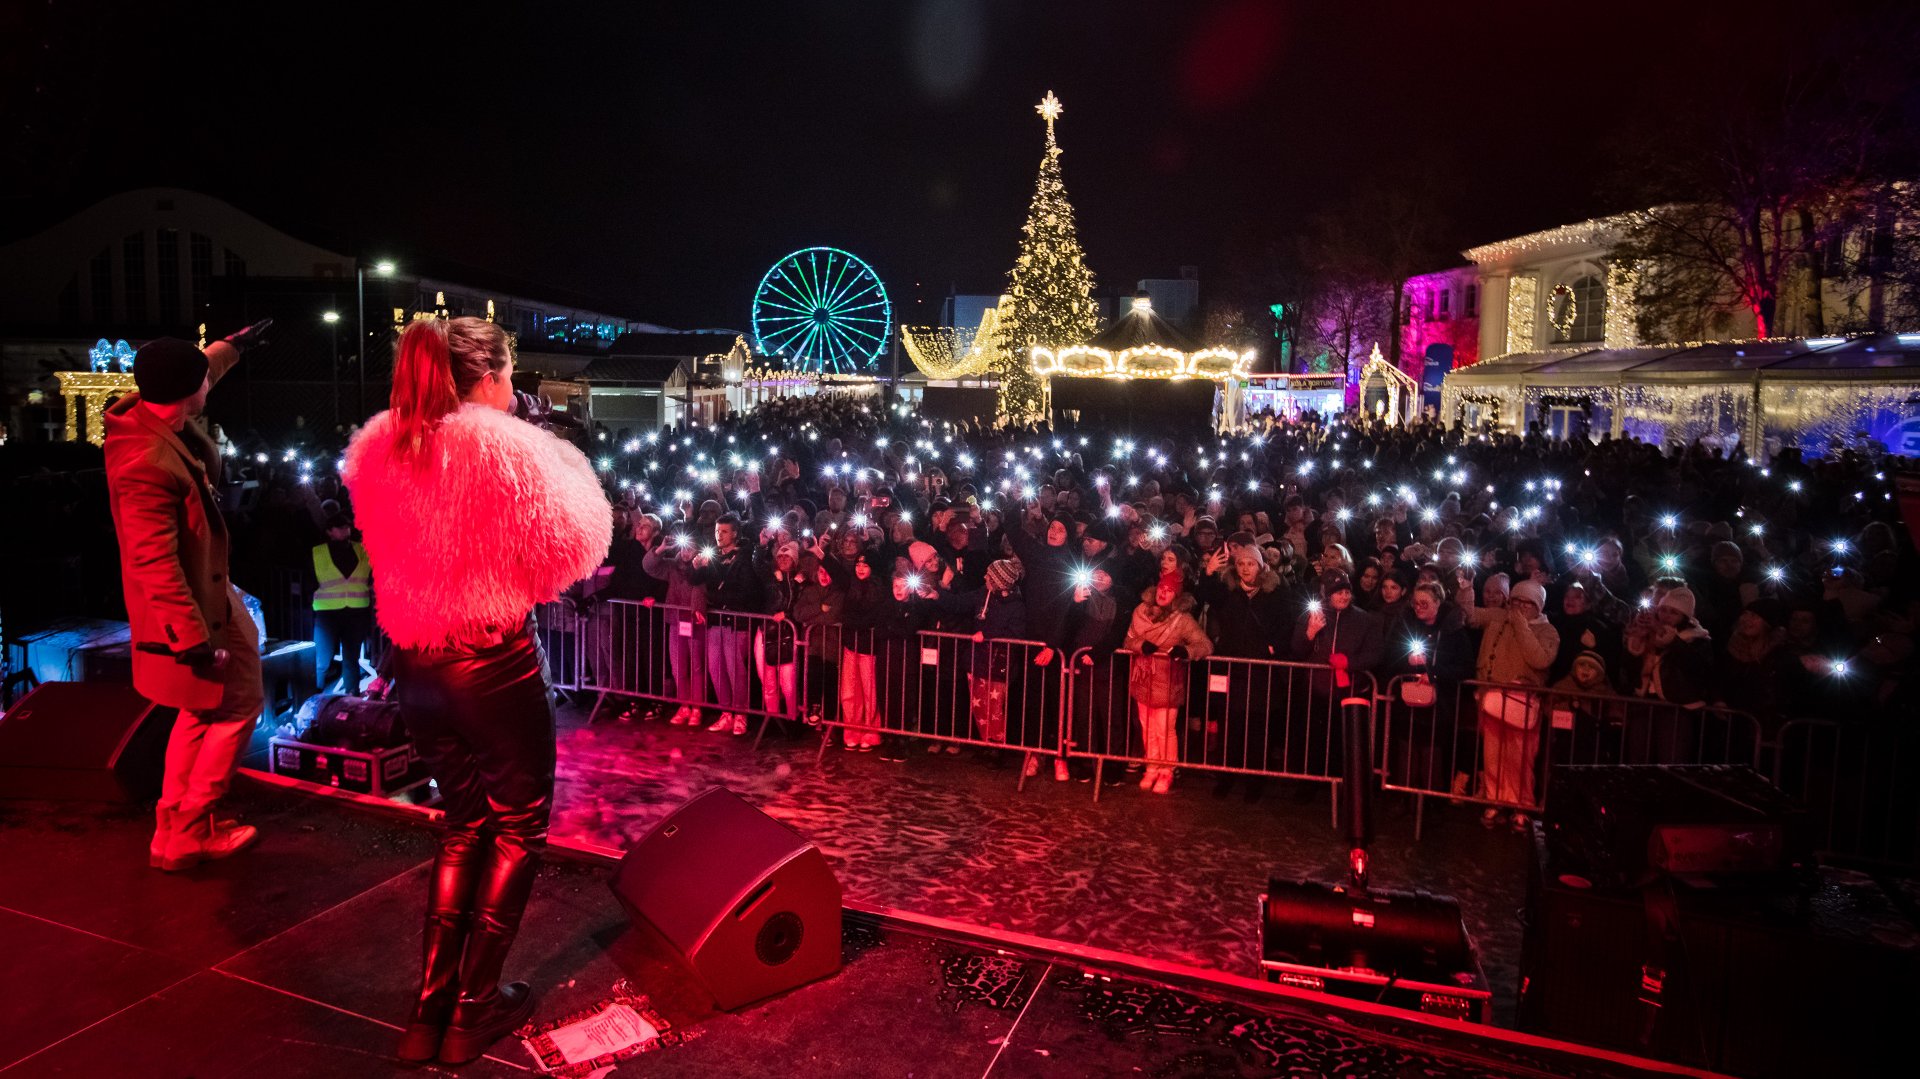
(1815, 393)
(1142, 346)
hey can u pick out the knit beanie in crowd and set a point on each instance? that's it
(1680, 599)
(1588, 655)
(167, 369)
(1174, 580)
(1003, 575)
(920, 553)
(1334, 581)
(1532, 591)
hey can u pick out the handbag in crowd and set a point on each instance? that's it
(1515, 708)
(1419, 693)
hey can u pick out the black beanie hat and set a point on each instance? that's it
(167, 369)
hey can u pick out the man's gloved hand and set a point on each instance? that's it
(204, 658)
(1148, 648)
(252, 337)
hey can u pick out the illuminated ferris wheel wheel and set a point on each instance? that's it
(825, 310)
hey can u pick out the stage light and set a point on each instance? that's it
(1841, 668)
(1669, 522)
(1840, 546)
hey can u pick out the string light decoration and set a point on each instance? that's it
(1523, 298)
(1764, 409)
(1050, 301)
(1619, 327)
(1600, 231)
(1144, 361)
(1818, 416)
(87, 394)
(1563, 310)
(1398, 384)
(943, 353)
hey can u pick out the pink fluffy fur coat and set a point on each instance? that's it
(495, 517)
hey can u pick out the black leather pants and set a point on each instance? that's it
(482, 719)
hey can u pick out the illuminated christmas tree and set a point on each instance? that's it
(1052, 288)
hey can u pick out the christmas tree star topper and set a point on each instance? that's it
(1050, 108)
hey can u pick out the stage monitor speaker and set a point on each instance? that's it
(84, 741)
(749, 905)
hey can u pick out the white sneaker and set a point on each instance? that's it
(1060, 772)
(1032, 767)
(725, 722)
(740, 724)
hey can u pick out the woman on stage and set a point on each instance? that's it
(472, 517)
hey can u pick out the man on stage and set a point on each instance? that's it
(195, 647)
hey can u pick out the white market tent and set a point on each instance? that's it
(1816, 393)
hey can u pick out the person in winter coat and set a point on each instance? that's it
(472, 518)
(1346, 641)
(1164, 638)
(1094, 630)
(859, 714)
(1046, 574)
(685, 622)
(818, 608)
(1588, 719)
(1337, 633)
(1429, 646)
(1669, 659)
(776, 644)
(1517, 646)
(1001, 614)
(1248, 618)
(726, 569)
(906, 608)
(195, 647)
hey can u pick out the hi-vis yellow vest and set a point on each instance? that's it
(337, 592)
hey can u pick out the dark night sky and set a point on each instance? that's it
(663, 155)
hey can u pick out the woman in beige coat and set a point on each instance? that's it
(1517, 647)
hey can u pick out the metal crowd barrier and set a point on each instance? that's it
(1855, 781)
(1254, 717)
(557, 625)
(720, 661)
(938, 688)
(1495, 745)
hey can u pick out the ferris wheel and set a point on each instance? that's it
(824, 309)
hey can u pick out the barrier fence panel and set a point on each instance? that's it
(1218, 714)
(944, 689)
(1495, 745)
(1856, 783)
(558, 627)
(720, 661)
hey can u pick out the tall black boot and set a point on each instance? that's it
(456, 874)
(487, 1010)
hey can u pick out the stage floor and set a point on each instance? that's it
(1174, 877)
(295, 959)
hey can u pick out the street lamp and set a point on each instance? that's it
(384, 268)
(332, 319)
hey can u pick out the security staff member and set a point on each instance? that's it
(342, 605)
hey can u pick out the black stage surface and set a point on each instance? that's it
(295, 959)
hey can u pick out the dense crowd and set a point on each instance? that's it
(1781, 588)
